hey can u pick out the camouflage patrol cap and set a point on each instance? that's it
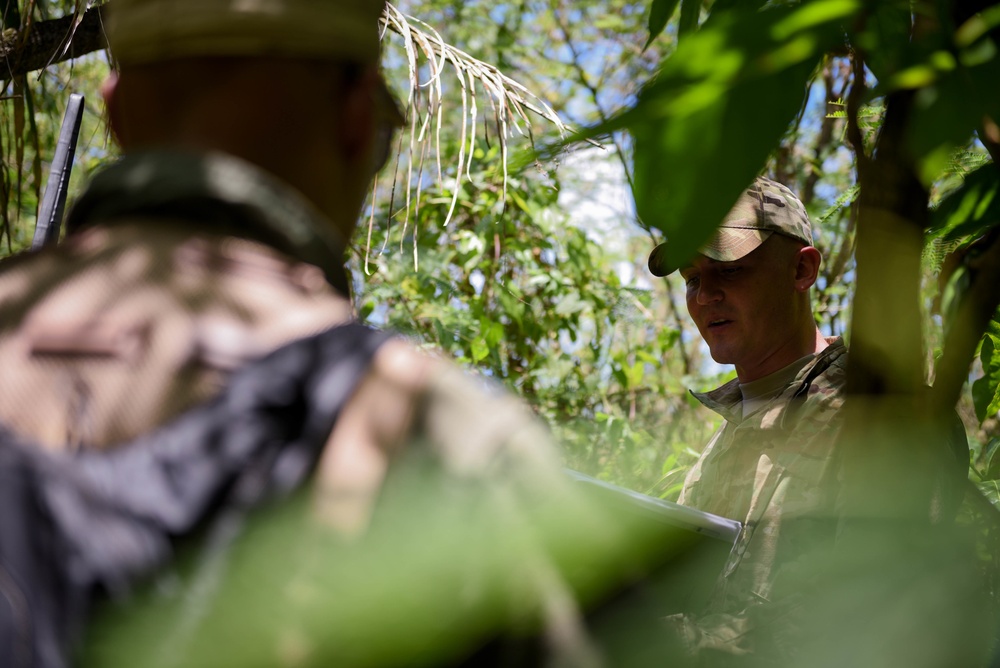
(146, 31)
(764, 208)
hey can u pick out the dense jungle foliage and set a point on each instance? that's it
(530, 267)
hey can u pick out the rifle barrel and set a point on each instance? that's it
(50, 214)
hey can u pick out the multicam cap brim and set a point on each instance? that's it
(732, 243)
(728, 244)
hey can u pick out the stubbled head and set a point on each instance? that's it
(290, 85)
(146, 31)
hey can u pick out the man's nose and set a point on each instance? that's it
(708, 292)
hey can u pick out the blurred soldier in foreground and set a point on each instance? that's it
(251, 132)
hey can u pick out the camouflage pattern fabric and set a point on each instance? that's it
(764, 208)
(774, 470)
(164, 286)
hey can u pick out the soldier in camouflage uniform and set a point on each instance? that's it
(772, 463)
(251, 132)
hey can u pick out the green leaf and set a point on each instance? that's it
(953, 97)
(970, 210)
(609, 21)
(511, 305)
(945, 116)
(847, 197)
(659, 14)
(690, 12)
(991, 460)
(952, 294)
(479, 349)
(492, 333)
(634, 374)
(984, 391)
(886, 39)
(720, 6)
(570, 304)
(719, 106)
(519, 201)
(648, 358)
(992, 328)
(991, 490)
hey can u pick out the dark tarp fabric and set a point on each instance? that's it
(74, 527)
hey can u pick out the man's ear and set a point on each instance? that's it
(357, 127)
(109, 91)
(807, 263)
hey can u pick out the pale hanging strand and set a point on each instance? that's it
(461, 144)
(510, 101)
(371, 224)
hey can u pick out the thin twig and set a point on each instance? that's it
(857, 92)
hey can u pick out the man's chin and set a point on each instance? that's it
(721, 355)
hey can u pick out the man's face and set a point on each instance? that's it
(746, 310)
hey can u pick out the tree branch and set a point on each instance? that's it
(854, 136)
(45, 42)
(893, 447)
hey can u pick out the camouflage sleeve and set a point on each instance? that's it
(413, 402)
(474, 426)
(424, 444)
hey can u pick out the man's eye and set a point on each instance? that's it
(729, 271)
(691, 281)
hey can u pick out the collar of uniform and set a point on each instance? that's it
(727, 400)
(219, 191)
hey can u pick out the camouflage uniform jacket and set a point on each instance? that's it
(770, 469)
(177, 269)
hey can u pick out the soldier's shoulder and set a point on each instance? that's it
(830, 381)
(471, 421)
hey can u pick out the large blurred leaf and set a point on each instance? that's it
(972, 209)
(720, 6)
(885, 38)
(950, 106)
(952, 72)
(717, 109)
